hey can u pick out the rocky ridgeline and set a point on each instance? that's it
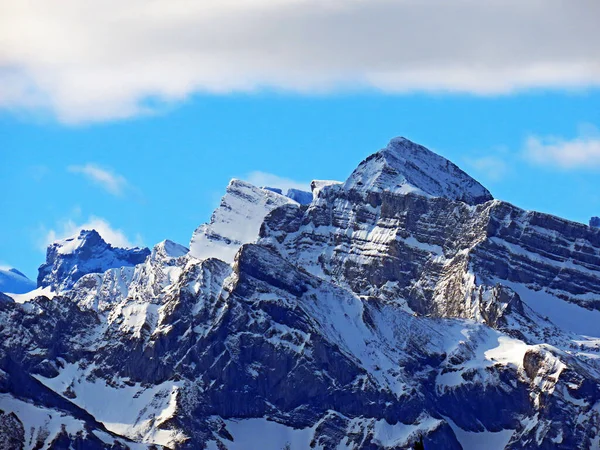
(403, 302)
(69, 259)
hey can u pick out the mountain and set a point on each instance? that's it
(15, 282)
(404, 167)
(69, 259)
(595, 222)
(302, 197)
(236, 221)
(403, 302)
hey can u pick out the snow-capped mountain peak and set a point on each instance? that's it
(69, 259)
(236, 221)
(405, 167)
(169, 249)
(87, 238)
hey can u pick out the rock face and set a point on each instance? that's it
(375, 314)
(70, 259)
(15, 282)
(595, 222)
(436, 254)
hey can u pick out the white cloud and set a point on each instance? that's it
(85, 60)
(108, 180)
(69, 228)
(263, 179)
(582, 152)
(493, 168)
(38, 172)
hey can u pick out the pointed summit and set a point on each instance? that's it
(405, 167)
(168, 249)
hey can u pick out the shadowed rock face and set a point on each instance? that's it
(70, 259)
(378, 312)
(434, 253)
(595, 222)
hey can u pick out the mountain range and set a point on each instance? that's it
(403, 302)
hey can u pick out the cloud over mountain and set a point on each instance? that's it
(88, 61)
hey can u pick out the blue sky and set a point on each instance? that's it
(135, 122)
(169, 170)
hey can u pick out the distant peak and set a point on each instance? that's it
(14, 281)
(69, 259)
(273, 189)
(297, 195)
(170, 249)
(71, 244)
(406, 167)
(300, 196)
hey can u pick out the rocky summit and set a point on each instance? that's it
(402, 303)
(69, 259)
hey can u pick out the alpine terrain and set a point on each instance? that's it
(402, 302)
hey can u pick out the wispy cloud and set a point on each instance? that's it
(105, 178)
(582, 152)
(263, 179)
(85, 60)
(68, 228)
(38, 172)
(493, 168)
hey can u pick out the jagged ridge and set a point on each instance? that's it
(380, 311)
(69, 259)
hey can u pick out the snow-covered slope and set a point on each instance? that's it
(405, 167)
(69, 259)
(377, 313)
(302, 197)
(236, 221)
(15, 282)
